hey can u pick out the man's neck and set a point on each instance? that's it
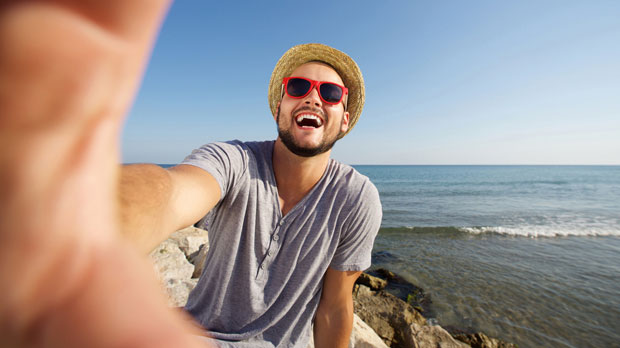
(295, 175)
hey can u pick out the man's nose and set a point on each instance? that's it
(313, 98)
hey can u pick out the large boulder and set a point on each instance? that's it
(171, 262)
(173, 271)
(387, 315)
(374, 283)
(190, 240)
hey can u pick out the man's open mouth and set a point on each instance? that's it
(306, 120)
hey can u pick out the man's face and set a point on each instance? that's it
(308, 136)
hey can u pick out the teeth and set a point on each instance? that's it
(302, 117)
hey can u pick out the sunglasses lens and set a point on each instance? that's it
(331, 93)
(297, 87)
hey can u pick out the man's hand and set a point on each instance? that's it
(68, 73)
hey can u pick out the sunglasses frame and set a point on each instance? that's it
(314, 84)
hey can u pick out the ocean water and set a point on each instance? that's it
(529, 254)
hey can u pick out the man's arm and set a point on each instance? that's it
(334, 317)
(154, 202)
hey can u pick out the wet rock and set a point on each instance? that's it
(372, 282)
(404, 290)
(387, 275)
(480, 340)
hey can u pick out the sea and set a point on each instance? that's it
(527, 254)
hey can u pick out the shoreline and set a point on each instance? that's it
(392, 306)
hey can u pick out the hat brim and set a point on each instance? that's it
(346, 67)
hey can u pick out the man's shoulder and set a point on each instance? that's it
(348, 172)
(237, 148)
(352, 182)
(265, 146)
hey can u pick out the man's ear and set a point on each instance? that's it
(275, 117)
(345, 122)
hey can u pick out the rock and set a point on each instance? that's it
(198, 260)
(362, 336)
(429, 336)
(170, 262)
(178, 291)
(405, 290)
(189, 239)
(480, 340)
(373, 283)
(387, 275)
(387, 315)
(173, 270)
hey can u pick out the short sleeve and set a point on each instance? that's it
(225, 161)
(354, 249)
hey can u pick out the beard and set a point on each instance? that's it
(288, 141)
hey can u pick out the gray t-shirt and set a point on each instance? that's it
(264, 272)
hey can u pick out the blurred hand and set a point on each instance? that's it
(69, 70)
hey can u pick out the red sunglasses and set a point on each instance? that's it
(299, 87)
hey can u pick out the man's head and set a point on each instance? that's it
(310, 111)
(310, 120)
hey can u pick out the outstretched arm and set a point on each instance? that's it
(68, 73)
(334, 317)
(154, 202)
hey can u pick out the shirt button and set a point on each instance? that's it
(281, 222)
(269, 253)
(276, 237)
(262, 266)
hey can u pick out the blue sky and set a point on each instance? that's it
(451, 82)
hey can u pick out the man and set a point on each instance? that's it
(290, 229)
(68, 70)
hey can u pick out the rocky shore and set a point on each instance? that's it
(389, 311)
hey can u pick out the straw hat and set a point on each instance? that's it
(342, 63)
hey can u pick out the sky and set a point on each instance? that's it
(447, 82)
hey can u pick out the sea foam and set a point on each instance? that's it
(534, 231)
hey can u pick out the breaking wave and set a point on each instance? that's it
(529, 231)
